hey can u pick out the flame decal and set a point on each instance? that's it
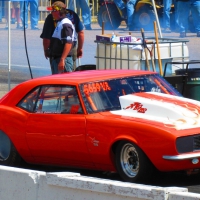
(171, 111)
(195, 119)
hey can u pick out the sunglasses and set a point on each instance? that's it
(54, 10)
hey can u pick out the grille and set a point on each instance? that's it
(196, 143)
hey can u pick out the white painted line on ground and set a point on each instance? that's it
(23, 66)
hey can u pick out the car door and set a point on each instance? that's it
(55, 130)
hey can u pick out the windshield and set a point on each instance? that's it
(104, 95)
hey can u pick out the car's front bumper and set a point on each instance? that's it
(183, 156)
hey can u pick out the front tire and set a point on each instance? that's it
(112, 20)
(8, 153)
(131, 163)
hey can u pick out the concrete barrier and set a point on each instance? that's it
(18, 184)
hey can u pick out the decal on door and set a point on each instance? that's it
(95, 142)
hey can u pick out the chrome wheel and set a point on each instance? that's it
(5, 147)
(129, 160)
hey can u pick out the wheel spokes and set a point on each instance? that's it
(130, 160)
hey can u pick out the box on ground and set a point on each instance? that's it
(108, 38)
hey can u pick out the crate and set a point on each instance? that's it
(130, 55)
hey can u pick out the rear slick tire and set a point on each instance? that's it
(131, 163)
(8, 153)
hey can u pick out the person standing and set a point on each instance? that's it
(34, 14)
(166, 15)
(49, 27)
(122, 6)
(195, 10)
(130, 7)
(62, 40)
(85, 9)
(1, 10)
(183, 9)
(15, 14)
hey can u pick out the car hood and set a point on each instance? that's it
(172, 111)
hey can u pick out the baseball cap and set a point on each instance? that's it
(52, 1)
(58, 5)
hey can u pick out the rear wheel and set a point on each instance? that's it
(8, 154)
(112, 20)
(144, 18)
(131, 163)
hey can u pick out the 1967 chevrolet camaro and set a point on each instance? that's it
(124, 121)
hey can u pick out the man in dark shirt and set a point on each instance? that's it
(49, 27)
(62, 40)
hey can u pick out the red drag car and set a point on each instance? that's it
(111, 120)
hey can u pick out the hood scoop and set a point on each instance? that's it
(178, 112)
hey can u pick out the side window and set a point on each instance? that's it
(28, 103)
(53, 99)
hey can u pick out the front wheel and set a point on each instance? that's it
(131, 163)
